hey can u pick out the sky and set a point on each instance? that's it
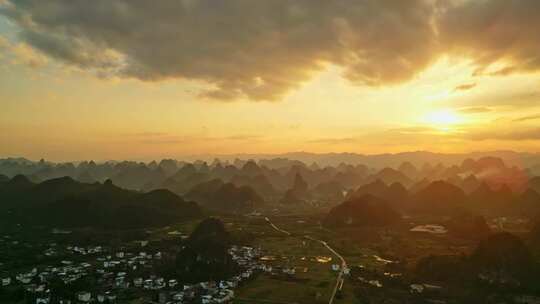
(136, 79)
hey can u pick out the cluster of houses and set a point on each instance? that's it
(111, 271)
(85, 250)
(121, 270)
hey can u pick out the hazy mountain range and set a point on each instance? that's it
(417, 158)
(484, 185)
(270, 178)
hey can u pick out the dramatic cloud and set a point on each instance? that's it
(246, 49)
(21, 53)
(261, 50)
(501, 36)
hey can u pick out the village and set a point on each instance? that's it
(120, 272)
(102, 274)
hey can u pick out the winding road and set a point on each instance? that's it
(276, 227)
(339, 281)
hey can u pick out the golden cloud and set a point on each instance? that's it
(258, 50)
(261, 50)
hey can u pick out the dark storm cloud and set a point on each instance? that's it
(244, 48)
(260, 50)
(492, 31)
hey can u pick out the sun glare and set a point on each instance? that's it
(442, 119)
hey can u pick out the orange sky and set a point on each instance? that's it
(364, 76)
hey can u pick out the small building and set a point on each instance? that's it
(44, 300)
(417, 288)
(289, 271)
(84, 296)
(224, 296)
(137, 282)
(6, 281)
(178, 296)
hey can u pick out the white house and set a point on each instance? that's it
(84, 296)
(178, 296)
(42, 300)
(289, 271)
(417, 288)
(173, 283)
(206, 299)
(137, 282)
(6, 281)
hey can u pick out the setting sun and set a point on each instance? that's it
(442, 118)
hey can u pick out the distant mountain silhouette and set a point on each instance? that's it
(138, 177)
(493, 201)
(438, 197)
(364, 211)
(419, 185)
(470, 184)
(349, 178)
(64, 202)
(205, 253)
(390, 176)
(466, 225)
(86, 177)
(273, 179)
(534, 183)
(3, 178)
(484, 163)
(329, 191)
(251, 169)
(12, 190)
(184, 179)
(224, 197)
(259, 183)
(395, 194)
(408, 169)
(169, 166)
(503, 256)
(298, 193)
(528, 204)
